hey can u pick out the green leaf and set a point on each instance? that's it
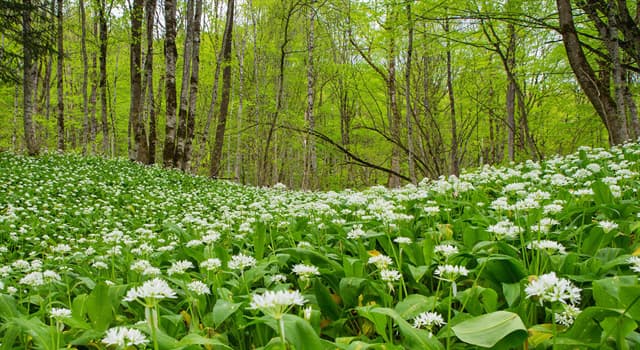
(415, 304)
(350, 289)
(197, 339)
(413, 338)
(222, 310)
(99, 308)
(503, 269)
(417, 272)
(8, 307)
(487, 330)
(259, 241)
(325, 301)
(511, 292)
(300, 333)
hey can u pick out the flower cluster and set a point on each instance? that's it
(276, 304)
(550, 288)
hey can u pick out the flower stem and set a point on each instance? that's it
(282, 335)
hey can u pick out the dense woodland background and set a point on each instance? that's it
(318, 94)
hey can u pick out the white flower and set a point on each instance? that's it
(276, 304)
(241, 262)
(122, 337)
(505, 229)
(151, 291)
(211, 264)
(547, 245)
(356, 232)
(179, 267)
(428, 320)
(305, 271)
(381, 261)
(634, 261)
(567, 317)
(199, 288)
(58, 312)
(550, 288)
(451, 272)
(445, 249)
(403, 240)
(278, 278)
(390, 275)
(33, 279)
(607, 226)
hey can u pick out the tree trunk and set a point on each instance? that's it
(204, 136)
(170, 56)
(455, 165)
(60, 78)
(141, 147)
(239, 173)
(408, 107)
(178, 156)
(102, 18)
(28, 79)
(150, 10)
(216, 153)
(193, 92)
(596, 92)
(310, 159)
(85, 78)
(394, 122)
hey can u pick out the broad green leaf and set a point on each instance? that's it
(511, 292)
(197, 339)
(415, 304)
(222, 310)
(300, 333)
(350, 289)
(99, 308)
(502, 269)
(487, 330)
(325, 300)
(413, 338)
(417, 272)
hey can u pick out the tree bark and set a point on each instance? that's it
(178, 156)
(170, 56)
(310, 158)
(455, 162)
(102, 19)
(408, 107)
(141, 147)
(85, 78)
(150, 10)
(596, 92)
(216, 153)
(204, 136)
(193, 90)
(28, 79)
(60, 78)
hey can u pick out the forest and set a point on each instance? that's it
(318, 94)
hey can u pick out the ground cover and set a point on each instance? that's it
(107, 254)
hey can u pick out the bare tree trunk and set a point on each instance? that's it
(633, 112)
(28, 80)
(238, 166)
(408, 107)
(204, 136)
(619, 80)
(193, 92)
(310, 158)
(170, 55)
(141, 147)
(93, 101)
(394, 122)
(60, 78)
(102, 18)
(178, 156)
(216, 153)
(511, 92)
(264, 171)
(150, 10)
(597, 93)
(455, 165)
(85, 78)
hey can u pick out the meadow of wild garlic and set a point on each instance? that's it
(106, 254)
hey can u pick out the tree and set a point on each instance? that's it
(60, 77)
(141, 146)
(596, 89)
(170, 56)
(216, 154)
